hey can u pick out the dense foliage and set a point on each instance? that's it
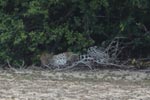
(29, 27)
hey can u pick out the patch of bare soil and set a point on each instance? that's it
(83, 85)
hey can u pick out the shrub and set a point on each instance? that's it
(29, 27)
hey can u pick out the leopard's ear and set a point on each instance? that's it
(50, 55)
(72, 56)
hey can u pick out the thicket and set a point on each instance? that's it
(29, 27)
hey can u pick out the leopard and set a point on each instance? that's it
(59, 60)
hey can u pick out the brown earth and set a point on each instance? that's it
(77, 85)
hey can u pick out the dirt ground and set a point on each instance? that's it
(77, 85)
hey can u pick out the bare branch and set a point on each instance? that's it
(9, 65)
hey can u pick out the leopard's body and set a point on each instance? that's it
(59, 60)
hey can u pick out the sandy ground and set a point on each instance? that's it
(83, 85)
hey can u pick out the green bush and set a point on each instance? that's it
(29, 27)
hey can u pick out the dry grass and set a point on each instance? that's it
(83, 85)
